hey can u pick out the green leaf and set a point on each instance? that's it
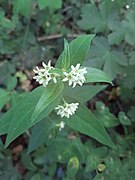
(96, 75)
(7, 170)
(21, 113)
(108, 119)
(27, 162)
(22, 6)
(99, 17)
(62, 149)
(48, 95)
(65, 56)
(102, 57)
(85, 122)
(124, 30)
(78, 49)
(36, 176)
(50, 4)
(5, 121)
(124, 119)
(11, 84)
(72, 167)
(4, 97)
(30, 99)
(16, 96)
(132, 58)
(128, 79)
(95, 157)
(43, 132)
(91, 18)
(129, 26)
(117, 35)
(131, 113)
(6, 69)
(84, 93)
(7, 24)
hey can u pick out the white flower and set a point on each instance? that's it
(80, 80)
(43, 75)
(47, 67)
(72, 107)
(69, 77)
(67, 109)
(62, 125)
(78, 72)
(42, 78)
(60, 109)
(37, 70)
(127, 6)
(75, 76)
(75, 70)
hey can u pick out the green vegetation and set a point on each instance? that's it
(97, 140)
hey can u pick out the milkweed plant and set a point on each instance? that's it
(63, 91)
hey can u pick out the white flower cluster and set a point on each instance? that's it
(43, 75)
(75, 76)
(67, 109)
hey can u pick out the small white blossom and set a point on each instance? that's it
(43, 75)
(80, 80)
(69, 77)
(67, 109)
(47, 67)
(75, 76)
(37, 70)
(78, 72)
(127, 6)
(42, 78)
(75, 70)
(60, 109)
(62, 125)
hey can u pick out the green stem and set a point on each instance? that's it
(63, 99)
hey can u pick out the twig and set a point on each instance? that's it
(55, 36)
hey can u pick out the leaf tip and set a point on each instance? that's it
(7, 143)
(111, 83)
